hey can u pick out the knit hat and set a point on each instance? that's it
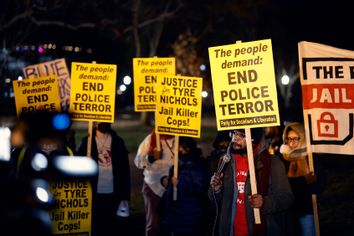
(222, 136)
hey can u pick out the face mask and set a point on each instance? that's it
(103, 127)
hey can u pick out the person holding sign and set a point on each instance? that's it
(230, 190)
(112, 185)
(156, 164)
(303, 182)
(186, 215)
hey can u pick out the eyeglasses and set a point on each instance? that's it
(237, 134)
(292, 139)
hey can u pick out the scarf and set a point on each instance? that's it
(298, 160)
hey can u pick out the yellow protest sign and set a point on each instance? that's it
(244, 87)
(56, 68)
(37, 94)
(179, 105)
(93, 92)
(145, 72)
(73, 211)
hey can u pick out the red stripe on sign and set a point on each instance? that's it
(335, 96)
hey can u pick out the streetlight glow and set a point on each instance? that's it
(285, 79)
(127, 80)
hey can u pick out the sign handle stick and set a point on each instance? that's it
(158, 144)
(256, 212)
(312, 169)
(89, 132)
(89, 138)
(257, 217)
(175, 166)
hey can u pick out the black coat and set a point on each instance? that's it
(120, 165)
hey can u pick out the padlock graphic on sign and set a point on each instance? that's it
(327, 125)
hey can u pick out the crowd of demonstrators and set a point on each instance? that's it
(209, 201)
(230, 191)
(111, 187)
(186, 215)
(156, 164)
(303, 182)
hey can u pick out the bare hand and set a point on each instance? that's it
(216, 181)
(157, 154)
(256, 200)
(174, 181)
(164, 181)
(310, 178)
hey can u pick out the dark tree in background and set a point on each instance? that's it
(115, 31)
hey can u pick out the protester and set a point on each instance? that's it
(112, 185)
(186, 214)
(156, 165)
(303, 182)
(41, 135)
(273, 136)
(220, 145)
(230, 191)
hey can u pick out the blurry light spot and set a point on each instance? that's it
(204, 94)
(40, 49)
(76, 165)
(39, 162)
(122, 88)
(76, 49)
(7, 80)
(285, 79)
(42, 194)
(119, 92)
(20, 77)
(5, 133)
(127, 80)
(61, 121)
(89, 50)
(202, 67)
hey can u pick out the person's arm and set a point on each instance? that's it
(280, 196)
(141, 159)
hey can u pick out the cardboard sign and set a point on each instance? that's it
(93, 92)
(145, 72)
(327, 81)
(73, 212)
(37, 94)
(56, 68)
(244, 87)
(179, 105)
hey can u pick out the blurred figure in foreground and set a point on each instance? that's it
(111, 188)
(36, 139)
